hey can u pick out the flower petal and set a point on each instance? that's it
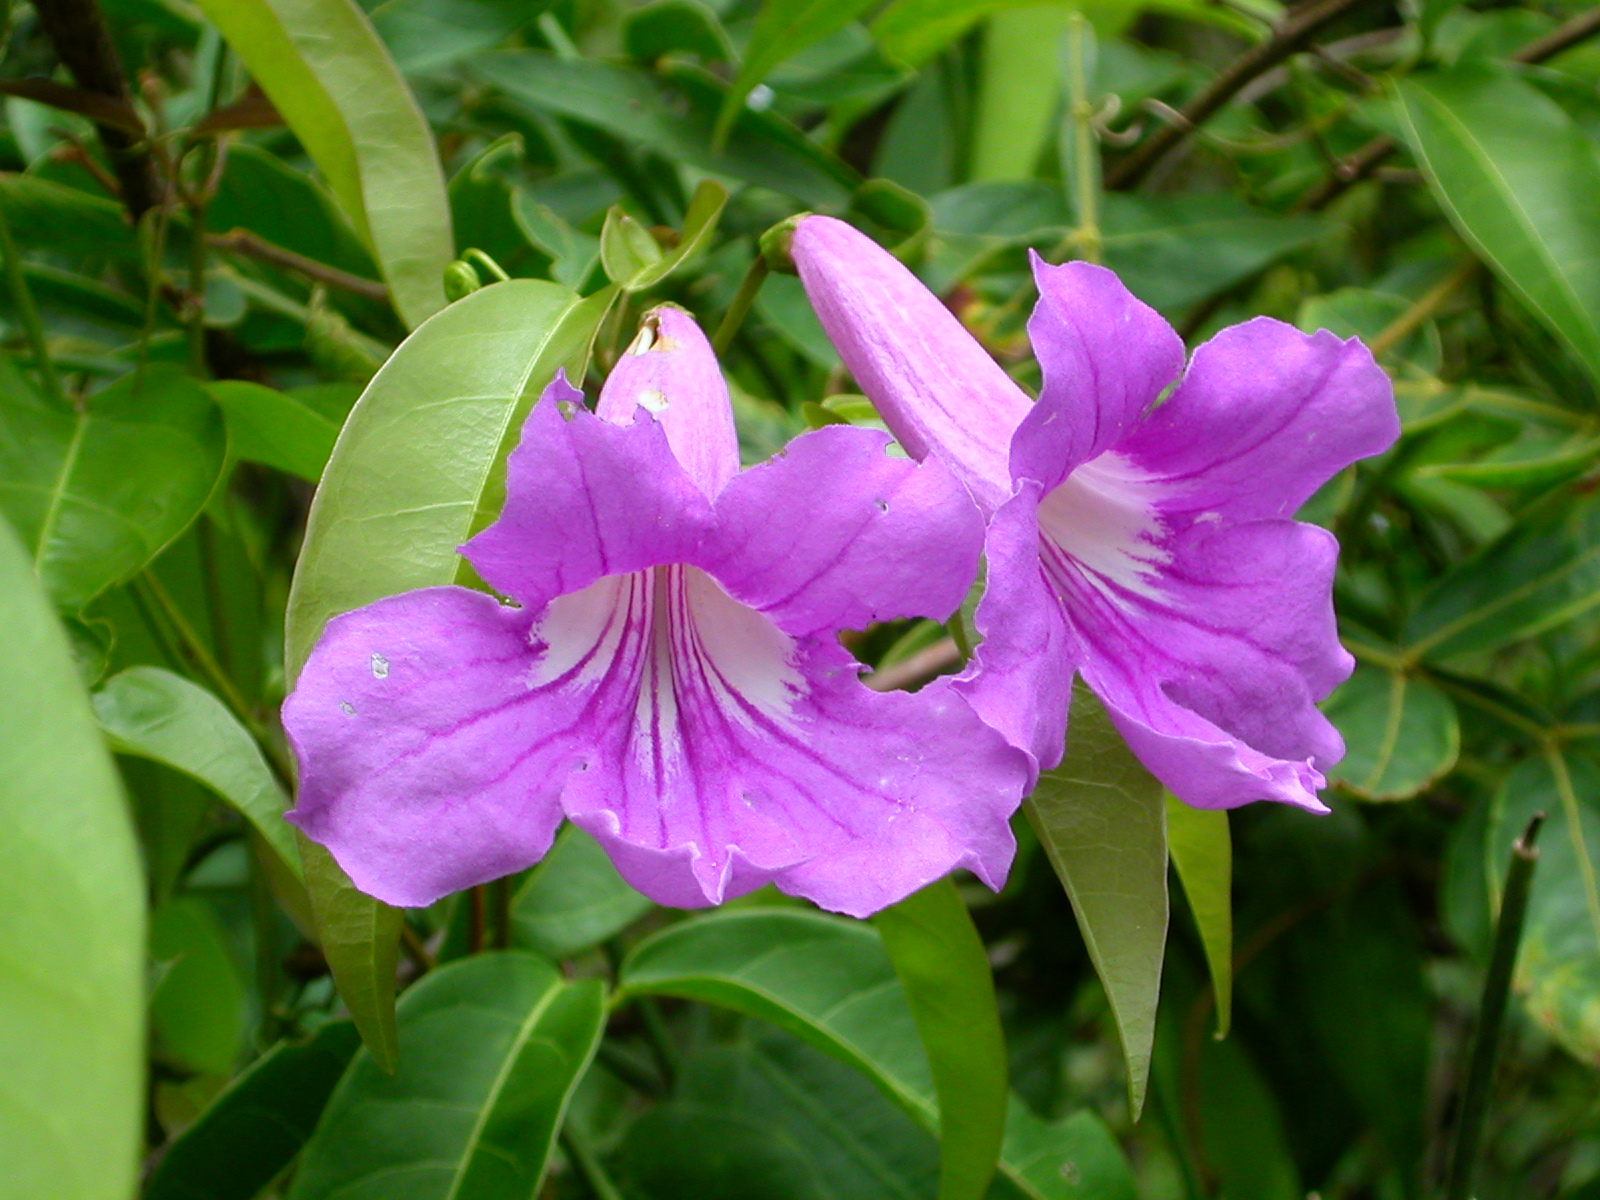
(1264, 417)
(671, 372)
(834, 534)
(1106, 357)
(424, 767)
(936, 388)
(587, 498)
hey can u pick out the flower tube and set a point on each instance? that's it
(669, 675)
(1145, 543)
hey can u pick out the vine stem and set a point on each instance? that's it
(1492, 1011)
(1085, 146)
(22, 297)
(742, 300)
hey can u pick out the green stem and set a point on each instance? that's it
(742, 300)
(1085, 146)
(22, 297)
(587, 1163)
(655, 1030)
(1491, 1014)
(958, 635)
(489, 264)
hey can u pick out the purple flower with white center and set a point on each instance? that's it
(670, 678)
(1146, 544)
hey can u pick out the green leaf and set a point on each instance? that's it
(97, 493)
(79, 224)
(783, 28)
(1517, 179)
(940, 961)
(1400, 734)
(672, 113)
(913, 31)
(491, 1049)
(197, 1008)
(1019, 92)
(260, 192)
(329, 76)
(1101, 819)
(829, 982)
(360, 939)
(1201, 847)
(252, 1130)
(157, 715)
(663, 26)
(1540, 574)
(390, 512)
(573, 899)
(1558, 967)
(430, 35)
(627, 250)
(72, 960)
(273, 428)
(699, 223)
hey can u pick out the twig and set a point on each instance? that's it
(928, 663)
(742, 300)
(1492, 1013)
(1360, 164)
(1429, 303)
(1296, 30)
(415, 948)
(242, 241)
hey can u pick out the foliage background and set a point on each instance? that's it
(220, 219)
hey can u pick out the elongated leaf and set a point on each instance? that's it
(253, 1130)
(940, 961)
(72, 960)
(96, 494)
(42, 212)
(783, 28)
(330, 77)
(491, 1048)
(275, 429)
(197, 1007)
(829, 982)
(1019, 92)
(161, 716)
(392, 508)
(1558, 969)
(1400, 734)
(1201, 847)
(1518, 180)
(260, 192)
(1101, 819)
(573, 900)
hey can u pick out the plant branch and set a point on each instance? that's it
(1361, 164)
(242, 241)
(1289, 37)
(926, 664)
(78, 32)
(1426, 305)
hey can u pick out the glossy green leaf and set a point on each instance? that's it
(673, 114)
(491, 1048)
(388, 517)
(1558, 968)
(829, 982)
(197, 1007)
(161, 716)
(330, 77)
(1102, 822)
(1518, 180)
(1201, 846)
(1400, 734)
(273, 428)
(72, 1027)
(573, 899)
(254, 1128)
(944, 971)
(1542, 573)
(783, 28)
(97, 493)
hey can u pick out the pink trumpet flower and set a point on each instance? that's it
(1145, 543)
(669, 676)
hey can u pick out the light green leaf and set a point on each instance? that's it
(1102, 822)
(197, 1008)
(940, 961)
(1019, 90)
(328, 74)
(161, 716)
(1400, 734)
(72, 961)
(627, 250)
(1201, 847)
(699, 223)
(913, 31)
(1518, 180)
(97, 493)
(273, 428)
(491, 1049)
(391, 510)
(783, 28)
(573, 899)
(829, 982)
(1558, 967)
(252, 1130)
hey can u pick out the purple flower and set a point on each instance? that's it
(1144, 543)
(670, 679)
